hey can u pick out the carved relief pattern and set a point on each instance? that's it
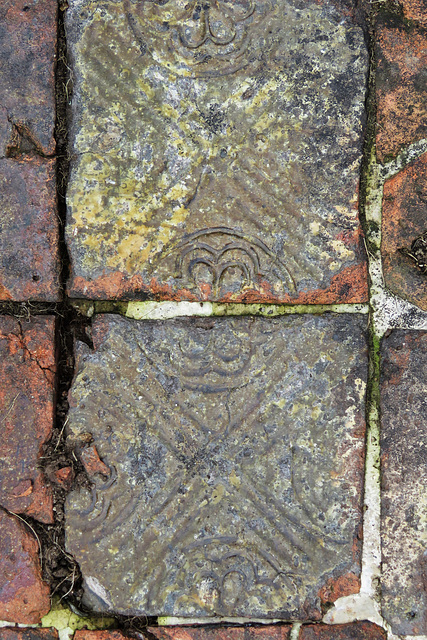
(207, 34)
(211, 492)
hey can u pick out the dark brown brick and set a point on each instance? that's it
(85, 634)
(401, 85)
(29, 263)
(354, 631)
(267, 632)
(24, 597)
(404, 220)
(8, 633)
(27, 378)
(27, 65)
(404, 481)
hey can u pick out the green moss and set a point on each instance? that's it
(61, 618)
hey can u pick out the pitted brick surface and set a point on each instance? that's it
(404, 481)
(27, 383)
(24, 597)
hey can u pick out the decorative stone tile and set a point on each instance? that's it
(234, 455)
(24, 597)
(216, 150)
(401, 85)
(29, 261)
(355, 631)
(404, 233)
(27, 381)
(27, 76)
(266, 632)
(404, 482)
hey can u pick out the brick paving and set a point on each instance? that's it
(215, 155)
(404, 506)
(403, 225)
(24, 597)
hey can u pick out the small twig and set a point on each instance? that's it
(60, 435)
(11, 407)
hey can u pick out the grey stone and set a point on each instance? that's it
(404, 482)
(235, 448)
(216, 166)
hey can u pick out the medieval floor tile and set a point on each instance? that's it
(404, 233)
(27, 81)
(354, 631)
(266, 632)
(233, 456)
(27, 381)
(15, 633)
(24, 597)
(220, 164)
(29, 261)
(401, 83)
(404, 480)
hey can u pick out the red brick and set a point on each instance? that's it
(416, 10)
(29, 262)
(265, 632)
(354, 631)
(24, 597)
(27, 66)
(401, 85)
(405, 219)
(27, 378)
(85, 634)
(8, 633)
(403, 482)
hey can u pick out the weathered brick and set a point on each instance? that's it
(14, 633)
(401, 83)
(24, 597)
(404, 220)
(211, 170)
(27, 381)
(114, 634)
(29, 261)
(354, 631)
(266, 632)
(415, 10)
(232, 465)
(404, 482)
(27, 67)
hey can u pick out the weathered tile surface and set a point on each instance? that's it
(29, 260)
(216, 150)
(266, 632)
(27, 66)
(24, 597)
(235, 456)
(401, 81)
(404, 474)
(14, 633)
(27, 369)
(404, 221)
(416, 10)
(355, 631)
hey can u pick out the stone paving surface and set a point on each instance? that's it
(27, 382)
(24, 597)
(222, 167)
(401, 78)
(233, 484)
(404, 506)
